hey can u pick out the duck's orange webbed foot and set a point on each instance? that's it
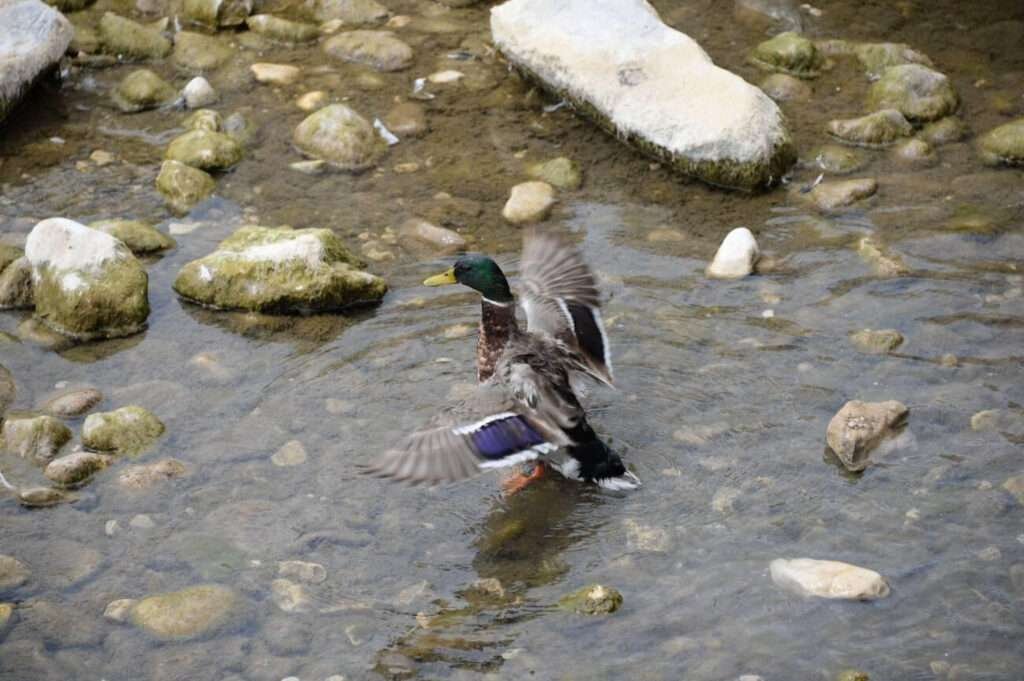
(518, 482)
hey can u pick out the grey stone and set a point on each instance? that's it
(33, 39)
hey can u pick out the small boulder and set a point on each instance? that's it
(36, 438)
(877, 57)
(86, 283)
(380, 50)
(529, 202)
(1003, 145)
(16, 286)
(592, 600)
(838, 160)
(32, 42)
(736, 256)
(350, 12)
(789, 53)
(217, 13)
(878, 129)
(407, 119)
(783, 87)
(859, 427)
(204, 119)
(440, 238)
(183, 186)
(289, 596)
(884, 262)
(13, 573)
(42, 497)
(915, 152)
(9, 254)
(7, 390)
(1006, 421)
(73, 403)
(199, 52)
(205, 150)
(141, 90)
(879, 342)
(198, 93)
(144, 476)
(128, 430)
(340, 136)
(127, 39)
(282, 30)
(120, 610)
(313, 100)
(292, 453)
(279, 270)
(561, 173)
(769, 16)
(275, 74)
(916, 91)
(186, 614)
(944, 131)
(141, 238)
(1015, 486)
(311, 573)
(828, 579)
(75, 468)
(831, 196)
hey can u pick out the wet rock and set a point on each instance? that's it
(36, 438)
(32, 42)
(275, 74)
(127, 39)
(916, 91)
(852, 675)
(16, 286)
(141, 90)
(42, 497)
(445, 77)
(340, 136)
(144, 476)
(35, 332)
(350, 12)
(712, 125)
(199, 52)
(878, 129)
(1008, 421)
(7, 390)
(859, 427)
(291, 454)
(289, 596)
(1003, 145)
(830, 196)
(283, 270)
(884, 263)
(769, 15)
(86, 40)
(199, 93)
(127, 430)
(838, 160)
(915, 152)
(86, 283)
(789, 53)
(6, 616)
(142, 522)
(186, 614)
(205, 150)
(183, 186)
(561, 173)
(380, 50)
(311, 573)
(141, 238)
(592, 600)
(217, 13)
(529, 202)
(735, 257)
(440, 238)
(282, 30)
(724, 500)
(75, 468)
(828, 579)
(945, 131)
(317, 167)
(120, 610)
(8, 254)
(407, 119)
(13, 573)
(877, 57)
(785, 88)
(239, 128)
(311, 101)
(204, 119)
(878, 342)
(645, 538)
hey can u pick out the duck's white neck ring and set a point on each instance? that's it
(495, 303)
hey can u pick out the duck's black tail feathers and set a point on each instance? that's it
(592, 460)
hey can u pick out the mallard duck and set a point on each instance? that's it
(525, 408)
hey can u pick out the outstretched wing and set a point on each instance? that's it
(560, 297)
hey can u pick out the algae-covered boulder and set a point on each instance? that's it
(916, 91)
(7, 390)
(877, 57)
(36, 438)
(340, 136)
(204, 119)
(127, 430)
(279, 270)
(782, 87)
(1003, 145)
(75, 468)
(878, 342)
(216, 13)
(186, 614)
(945, 131)
(205, 150)
(282, 30)
(560, 172)
(16, 285)
(69, 404)
(9, 254)
(710, 124)
(199, 52)
(130, 40)
(183, 186)
(838, 160)
(789, 53)
(351, 12)
(878, 129)
(33, 38)
(140, 237)
(380, 50)
(141, 90)
(592, 600)
(86, 283)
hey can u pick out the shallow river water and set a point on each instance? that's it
(724, 391)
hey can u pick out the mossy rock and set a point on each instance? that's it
(71, 470)
(352, 12)
(186, 614)
(127, 39)
(340, 136)
(217, 13)
(128, 430)
(140, 237)
(7, 389)
(877, 57)
(789, 53)
(204, 119)
(198, 52)
(918, 92)
(879, 129)
(880, 342)
(561, 173)
(1003, 145)
(838, 160)
(86, 39)
(35, 438)
(141, 90)
(380, 50)
(282, 30)
(592, 600)
(205, 150)
(944, 131)
(183, 186)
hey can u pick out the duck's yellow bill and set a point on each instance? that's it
(444, 279)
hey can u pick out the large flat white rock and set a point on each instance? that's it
(651, 85)
(33, 37)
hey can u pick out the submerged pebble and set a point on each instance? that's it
(143, 476)
(859, 427)
(199, 93)
(141, 90)
(291, 454)
(275, 74)
(561, 173)
(592, 600)
(407, 119)
(183, 186)
(36, 438)
(783, 87)
(529, 202)
(878, 129)
(340, 136)
(736, 256)
(380, 50)
(828, 579)
(1003, 145)
(190, 613)
(877, 342)
(75, 468)
(831, 196)
(127, 430)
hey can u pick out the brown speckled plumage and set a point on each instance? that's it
(497, 326)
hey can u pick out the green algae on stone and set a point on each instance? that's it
(852, 675)
(140, 237)
(9, 254)
(35, 438)
(183, 186)
(205, 150)
(877, 57)
(199, 52)
(127, 39)
(16, 285)
(380, 50)
(76, 468)
(282, 30)
(1003, 145)
(187, 614)
(878, 129)
(351, 12)
(204, 119)
(838, 160)
(86, 40)
(128, 430)
(918, 92)
(878, 342)
(592, 600)
(789, 53)
(560, 172)
(217, 13)
(944, 131)
(279, 270)
(340, 136)
(141, 90)
(7, 388)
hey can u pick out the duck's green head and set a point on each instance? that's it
(479, 273)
